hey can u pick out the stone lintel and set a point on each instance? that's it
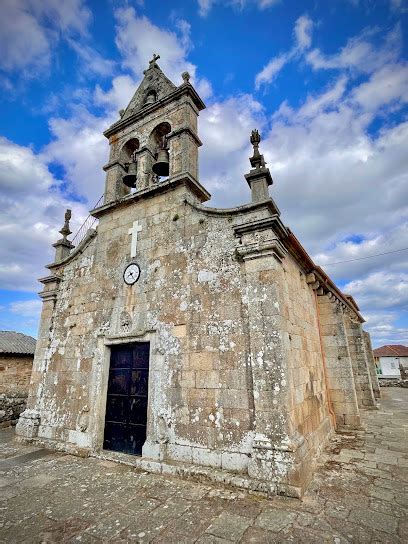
(123, 338)
(151, 191)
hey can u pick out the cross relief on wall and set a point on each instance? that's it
(136, 228)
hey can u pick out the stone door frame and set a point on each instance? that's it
(101, 378)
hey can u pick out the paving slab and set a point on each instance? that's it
(359, 494)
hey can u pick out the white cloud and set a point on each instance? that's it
(333, 177)
(33, 208)
(225, 127)
(360, 54)
(27, 308)
(323, 102)
(137, 38)
(271, 70)
(384, 329)
(399, 5)
(119, 95)
(387, 85)
(29, 28)
(303, 40)
(380, 290)
(79, 146)
(93, 61)
(303, 32)
(205, 6)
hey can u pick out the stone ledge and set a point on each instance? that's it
(201, 474)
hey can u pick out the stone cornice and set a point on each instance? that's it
(158, 188)
(184, 89)
(258, 174)
(317, 277)
(259, 250)
(272, 222)
(245, 208)
(48, 295)
(77, 251)
(50, 279)
(181, 130)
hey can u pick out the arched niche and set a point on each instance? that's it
(127, 150)
(150, 98)
(157, 142)
(157, 134)
(125, 159)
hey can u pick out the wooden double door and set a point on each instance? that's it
(126, 403)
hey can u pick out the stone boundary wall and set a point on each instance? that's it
(15, 374)
(11, 406)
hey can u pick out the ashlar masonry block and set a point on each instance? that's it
(342, 386)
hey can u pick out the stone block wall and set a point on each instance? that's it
(371, 365)
(309, 415)
(15, 373)
(342, 386)
(237, 377)
(361, 371)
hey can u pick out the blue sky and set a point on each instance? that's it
(326, 83)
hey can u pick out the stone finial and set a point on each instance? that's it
(257, 160)
(186, 77)
(63, 246)
(65, 231)
(259, 178)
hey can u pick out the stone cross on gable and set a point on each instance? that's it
(153, 61)
(136, 228)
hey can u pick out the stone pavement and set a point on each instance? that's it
(359, 494)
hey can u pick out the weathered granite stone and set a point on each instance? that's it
(226, 298)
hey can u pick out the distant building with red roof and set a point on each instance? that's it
(391, 360)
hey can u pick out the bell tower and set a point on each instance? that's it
(155, 137)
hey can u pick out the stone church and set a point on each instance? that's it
(187, 339)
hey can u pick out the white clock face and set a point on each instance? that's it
(131, 273)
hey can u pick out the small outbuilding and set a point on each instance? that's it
(16, 362)
(391, 361)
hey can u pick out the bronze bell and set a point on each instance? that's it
(129, 178)
(161, 166)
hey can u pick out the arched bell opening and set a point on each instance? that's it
(150, 98)
(159, 147)
(128, 161)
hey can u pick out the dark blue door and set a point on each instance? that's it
(126, 403)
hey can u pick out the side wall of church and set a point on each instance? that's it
(309, 415)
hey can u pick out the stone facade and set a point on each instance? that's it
(251, 366)
(15, 373)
